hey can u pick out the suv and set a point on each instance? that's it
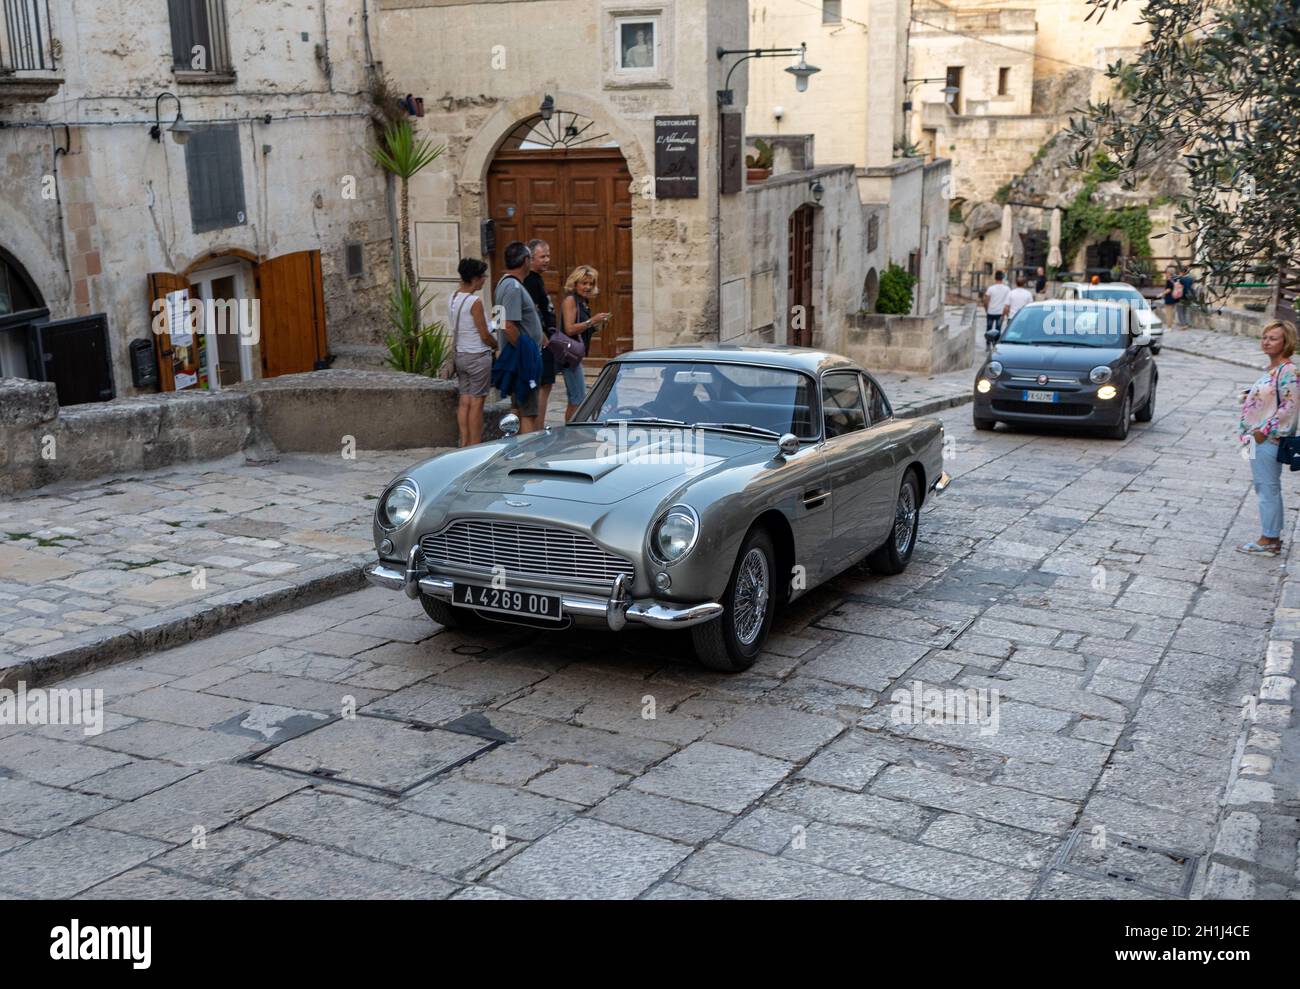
(1123, 292)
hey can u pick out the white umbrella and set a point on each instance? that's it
(1054, 251)
(1004, 241)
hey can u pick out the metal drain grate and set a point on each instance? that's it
(1129, 861)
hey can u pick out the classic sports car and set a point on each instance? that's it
(695, 488)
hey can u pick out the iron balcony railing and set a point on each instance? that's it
(25, 42)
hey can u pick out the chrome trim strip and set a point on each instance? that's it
(410, 583)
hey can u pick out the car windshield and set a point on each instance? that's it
(1069, 324)
(1131, 296)
(710, 395)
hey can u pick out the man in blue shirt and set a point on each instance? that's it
(521, 317)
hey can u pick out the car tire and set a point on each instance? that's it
(719, 644)
(448, 615)
(982, 424)
(1119, 431)
(1148, 410)
(892, 557)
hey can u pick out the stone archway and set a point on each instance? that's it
(623, 162)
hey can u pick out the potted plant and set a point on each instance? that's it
(759, 166)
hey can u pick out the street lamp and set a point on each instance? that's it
(180, 130)
(817, 189)
(547, 109)
(801, 71)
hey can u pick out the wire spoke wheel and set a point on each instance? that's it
(749, 603)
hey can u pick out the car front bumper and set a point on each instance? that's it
(615, 611)
(1074, 406)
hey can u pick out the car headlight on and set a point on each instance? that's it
(995, 369)
(984, 386)
(1106, 391)
(1099, 375)
(397, 507)
(674, 535)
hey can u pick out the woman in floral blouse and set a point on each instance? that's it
(1268, 414)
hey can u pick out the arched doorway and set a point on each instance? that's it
(565, 181)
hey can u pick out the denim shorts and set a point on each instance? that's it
(575, 384)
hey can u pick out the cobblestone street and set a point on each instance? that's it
(1092, 584)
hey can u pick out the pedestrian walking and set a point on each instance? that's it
(1186, 294)
(995, 301)
(1173, 290)
(1040, 284)
(518, 368)
(1268, 414)
(580, 291)
(538, 265)
(475, 347)
(1017, 299)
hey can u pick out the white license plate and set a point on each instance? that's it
(1040, 396)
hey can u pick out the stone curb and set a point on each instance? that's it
(1257, 791)
(933, 405)
(176, 627)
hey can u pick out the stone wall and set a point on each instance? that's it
(909, 343)
(319, 412)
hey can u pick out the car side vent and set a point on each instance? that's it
(572, 475)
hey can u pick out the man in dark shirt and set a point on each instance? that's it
(1040, 283)
(536, 287)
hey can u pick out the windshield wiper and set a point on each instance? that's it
(1048, 343)
(742, 426)
(644, 420)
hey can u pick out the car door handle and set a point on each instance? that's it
(815, 497)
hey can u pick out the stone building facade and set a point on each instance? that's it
(272, 204)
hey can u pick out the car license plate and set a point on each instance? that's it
(527, 604)
(1040, 396)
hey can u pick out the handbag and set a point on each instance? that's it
(1288, 447)
(568, 351)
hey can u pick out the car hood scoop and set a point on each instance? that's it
(582, 464)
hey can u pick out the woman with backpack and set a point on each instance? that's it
(578, 325)
(1268, 415)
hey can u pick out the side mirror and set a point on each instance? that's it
(788, 445)
(510, 424)
(1142, 340)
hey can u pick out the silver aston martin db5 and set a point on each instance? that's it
(696, 487)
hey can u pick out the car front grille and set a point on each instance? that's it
(523, 551)
(1042, 408)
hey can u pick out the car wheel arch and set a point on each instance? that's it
(781, 533)
(917, 468)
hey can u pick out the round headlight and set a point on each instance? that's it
(675, 534)
(398, 505)
(1099, 375)
(995, 369)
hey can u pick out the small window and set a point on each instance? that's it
(877, 405)
(954, 81)
(356, 260)
(216, 177)
(199, 42)
(842, 404)
(1004, 80)
(832, 11)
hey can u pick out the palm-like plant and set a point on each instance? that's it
(401, 153)
(414, 346)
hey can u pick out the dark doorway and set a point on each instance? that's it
(799, 281)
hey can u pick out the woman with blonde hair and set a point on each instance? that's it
(1268, 415)
(576, 320)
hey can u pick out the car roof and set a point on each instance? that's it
(1101, 285)
(790, 358)
(1090, 304)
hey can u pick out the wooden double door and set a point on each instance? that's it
(799, 279)
(580, 203)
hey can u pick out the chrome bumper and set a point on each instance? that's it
(615, 611)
